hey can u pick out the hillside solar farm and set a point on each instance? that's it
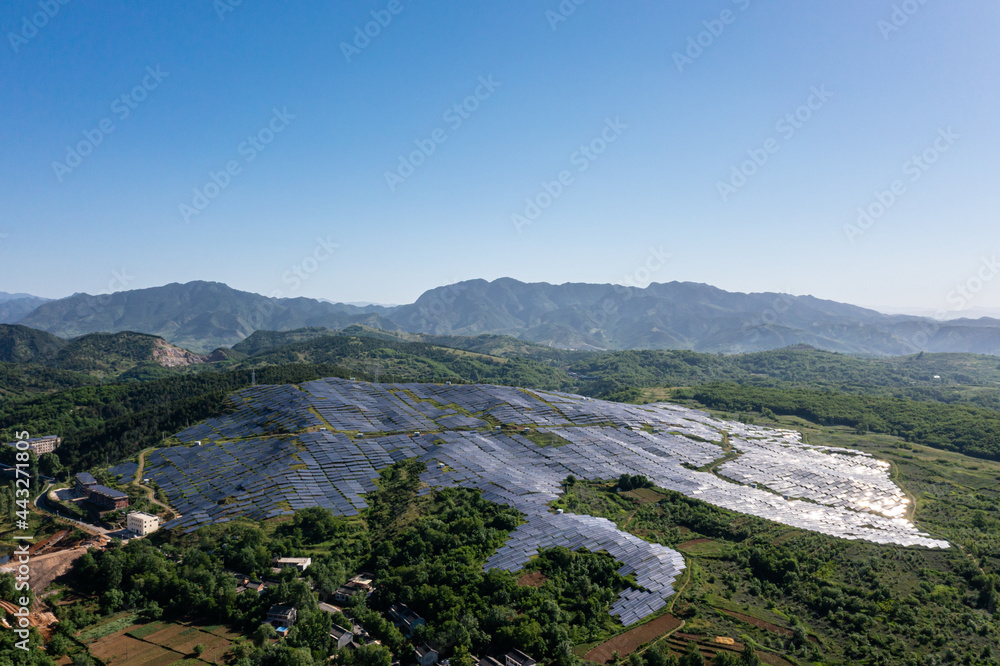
(285, 448)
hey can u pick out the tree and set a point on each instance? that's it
(462, 657)
(263, 634)
(111, 601)
(725, 658)
(748, 657)
(58, 646)
(369, 655)
(152, 611)
(692, 656)
(312, 630)
(240, 649)
(49, 464)
(198, 649)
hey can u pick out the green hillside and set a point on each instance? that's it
(394, 360)
(20, 344)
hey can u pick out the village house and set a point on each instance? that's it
(518, 658)
(344, 637)
(282, 616)
(405, 618)
(426, 655)
(300, 563)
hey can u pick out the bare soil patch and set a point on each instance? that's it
(644, 495)
(117, 648)
(692, 542)
(48, 567)
(533, 579)
(631, 640)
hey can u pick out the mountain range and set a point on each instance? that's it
(15, 306)
(202, 316)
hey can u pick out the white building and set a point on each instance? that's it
(300, 563)
(142, 523)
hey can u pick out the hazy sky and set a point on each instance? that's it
(277, 147)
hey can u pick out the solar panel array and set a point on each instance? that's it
(125, 470)
(242, 470)
(831, 478)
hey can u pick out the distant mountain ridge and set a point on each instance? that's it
(15, 306)
(199, 316)
(678, 315)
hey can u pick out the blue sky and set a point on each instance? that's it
(738, 137)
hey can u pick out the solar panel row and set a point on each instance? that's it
(242, 470)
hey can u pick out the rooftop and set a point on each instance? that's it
(108, 492)
(86, 478)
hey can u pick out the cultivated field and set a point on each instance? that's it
(163, 643)
(628, 642)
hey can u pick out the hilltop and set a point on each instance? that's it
(678, 315)
(102, 355)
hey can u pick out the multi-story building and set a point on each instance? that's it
(282, 616)
(83, 482)
(107, 498)
(40, 445)
(142, 523)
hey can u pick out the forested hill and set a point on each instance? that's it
(800, 365)
(103, 355)
(677, 315)
(393, 360)
(102, 424)
(21, 344)
(965, 429)
(149, 401)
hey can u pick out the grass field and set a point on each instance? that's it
(801, 597)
